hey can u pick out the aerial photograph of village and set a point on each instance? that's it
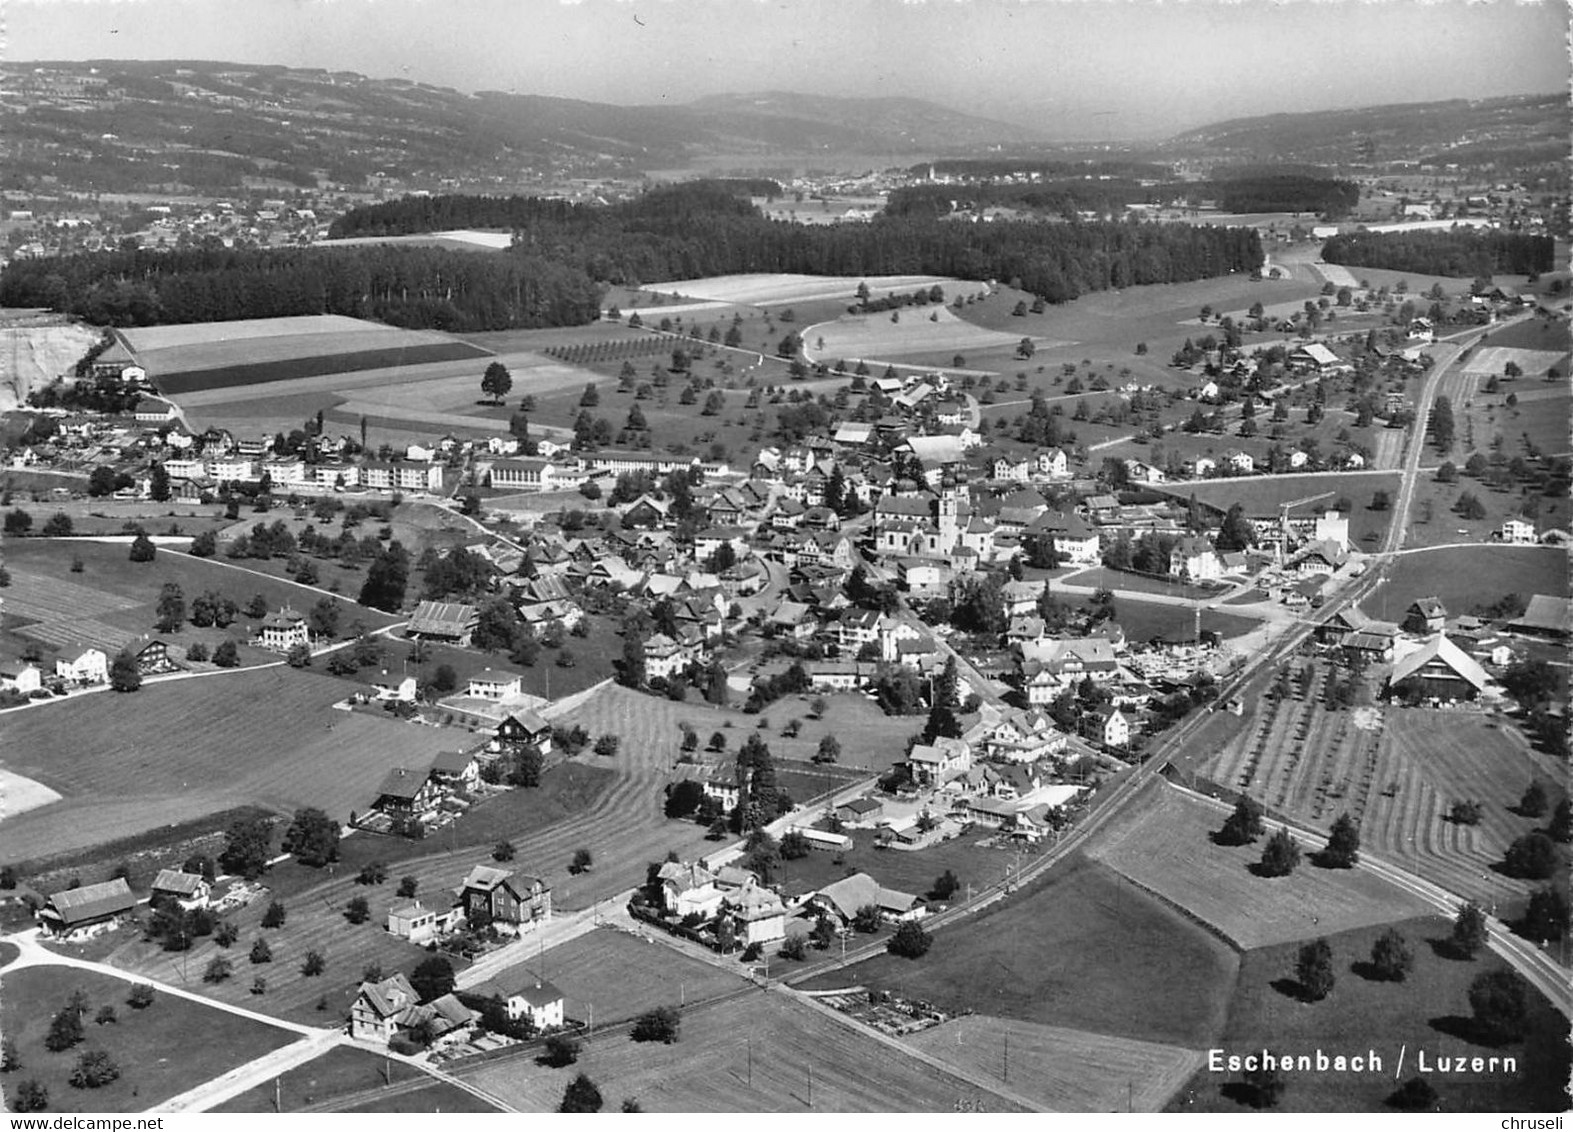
(836, 556)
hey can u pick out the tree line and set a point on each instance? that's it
(1266, 193)
(417, 288)
(1458, 252)
(699, 229)
(563, 252)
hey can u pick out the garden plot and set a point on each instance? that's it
(920, 330)
(1164, 844)
(759, 290)
(1494, 360)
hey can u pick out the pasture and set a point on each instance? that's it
(162, 1050)
(1467, 576)
(769, 290)
(919, 330)
(1063, 1070)
(1149, 620)
(1263, 495)
(1493, 359)
(614, 975)
(1435, 523)
(1080, 948)
(1164, 844)
(1428, 1011)
(762, 1053)
(174, 751)
(342, 1072)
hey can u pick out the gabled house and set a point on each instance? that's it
(757, 913)
(1193, 559)
(842, 900)
(494, 685)
(937, 763)
(1425, 615)
(153, 658)
(1438, 669)
(79, 912)
(504, 899)
(448, 622)
(283, 630)
(1107, 725)
(455, 772)
(525, 996)
(688, 889)
(90, 666)
(21, 677)
(406, 793)
(388, 1009)
(524, 729)
(189, 890)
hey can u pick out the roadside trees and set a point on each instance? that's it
(1280, 857)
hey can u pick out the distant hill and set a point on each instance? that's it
(116, 126)
(1520, 130)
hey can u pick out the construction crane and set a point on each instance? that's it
(1283, 520)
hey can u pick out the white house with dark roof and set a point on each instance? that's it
(494, 684)
(387, 1009)
(525, 996)
(283, 630)
(189, 890)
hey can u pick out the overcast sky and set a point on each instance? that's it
(1097, 69)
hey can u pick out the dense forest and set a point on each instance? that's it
(1256, 193)
(1291, 193)
(564, 252)
(1458, 252)
(419, 288)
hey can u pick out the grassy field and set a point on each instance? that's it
(346, 1073)
(1464, 577)
(171, 1046)
(112, 602)
(1102, 578)
(1263, 495)
(1146, 620)
(772, 289)
(754, 1054)
(1427, 1012)
(1079, 949)
(1063, 1070)
(167, 753)
(914, 872)
(613, 976)
(435, 1097)
(1434, 522)
(1164, 844)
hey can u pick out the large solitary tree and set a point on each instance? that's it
(496, 382)
(1281, 855)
